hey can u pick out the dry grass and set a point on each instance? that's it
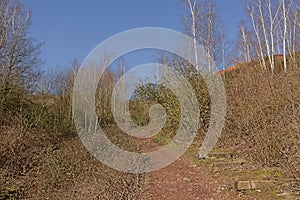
(41, 157)
(263, 118)
(40, 164)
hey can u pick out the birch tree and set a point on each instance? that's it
(275, 26)
(293, 40)
(284, 33)
(244, 44)
(256, 28)
(223, 46)
(193, 11)
(264, 22)
(297, 24)
(265, 31)
(287, 6)
(204, 25)
(274, 23)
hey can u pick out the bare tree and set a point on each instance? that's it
(192, 5)
(71, 75)
(222, 35)
(275, 26)
(292, 36)
(265, 23)
(122, 71)
(46, 83)
(284, 12)
(244, 44)
(19, 54)
(204, 25)
(211, 36)
(256, 21)
(274, 23)
(297, 24)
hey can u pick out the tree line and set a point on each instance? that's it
(268, 28)
(268, 34)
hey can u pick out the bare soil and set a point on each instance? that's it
(184, 181)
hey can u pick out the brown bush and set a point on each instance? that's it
(263, 117)
(36, 164)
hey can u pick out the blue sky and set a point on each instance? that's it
(71, 29)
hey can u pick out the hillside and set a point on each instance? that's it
(41, 156)
(52, 117)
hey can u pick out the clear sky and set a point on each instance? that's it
(72, 28)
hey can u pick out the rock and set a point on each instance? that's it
(228, 164)
(284, 194)
(254, 184)
(262, 184)
(243, 185)
(187, 179)
(218, 155)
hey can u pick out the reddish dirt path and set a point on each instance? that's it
(184, 181)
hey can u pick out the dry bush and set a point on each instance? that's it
(37, 160)
(263, 117)
(20, 152)
(36, 164)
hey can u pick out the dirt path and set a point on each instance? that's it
(182, 180)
